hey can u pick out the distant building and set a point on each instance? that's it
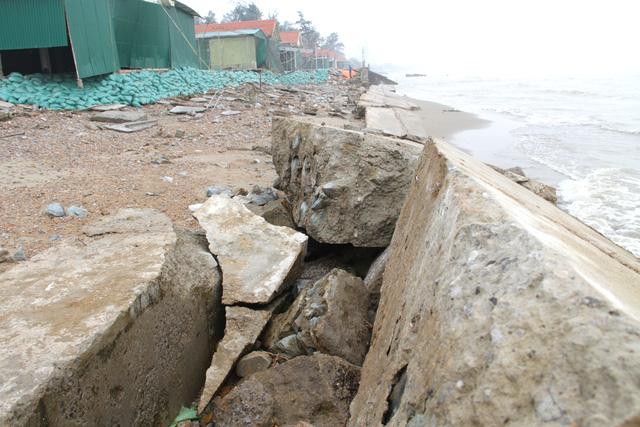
(290, 50)
(323, 58)
(240, 36)
(95, 37)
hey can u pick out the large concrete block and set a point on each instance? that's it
(498, 308)
(116, 330)
(344, 186)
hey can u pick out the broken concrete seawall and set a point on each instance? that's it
(498, 308)
(116, 330)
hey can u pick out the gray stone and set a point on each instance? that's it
(516, 174)
(311, 389)
(131, 127)
(19, 255)
(259, 260)
(318, 317)
(345, 187)
(6, 105)
(114, 331)
(261, 197)
(497, 307)
(77, 211)
(243, 326)
(181, 109)
(55, 210)
(115, 116)
(220, 189)
(253, 362)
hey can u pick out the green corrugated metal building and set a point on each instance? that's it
(93, 37)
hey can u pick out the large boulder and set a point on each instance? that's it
(258, 260)
(344, 186)
(317, 318)
(498, 308)
(114, 330)
(315, 389)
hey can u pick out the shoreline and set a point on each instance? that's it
(485, 137)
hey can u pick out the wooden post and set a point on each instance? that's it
(45, 60)
(73, 54)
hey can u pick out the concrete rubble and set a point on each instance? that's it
(259, 260)
(125, 319)
(517, 175)
(243, 326)
(497, 307)
(317, 318)
(344, 186)
(312, 389)
(116, 116)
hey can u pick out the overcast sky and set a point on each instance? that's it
(475, 37)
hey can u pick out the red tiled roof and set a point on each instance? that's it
(267, 26)
(290, 37)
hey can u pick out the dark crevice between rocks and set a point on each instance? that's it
(395, 395)
(356, 260)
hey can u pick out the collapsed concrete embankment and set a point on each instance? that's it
(497, 308)
(115, 330)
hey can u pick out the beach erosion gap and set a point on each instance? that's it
(387, 278)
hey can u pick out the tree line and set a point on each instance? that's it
(310, 37)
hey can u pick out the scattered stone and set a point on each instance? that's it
(131, 127)
(261, 197)
(168, 179)
(253, 362)
(119, 117)
(259, 260)
(220, 189)
(5, 115)
(318, 317)
(181, 109)
(275, 212)
(55, 238)
(241, 192)
(180, 133)
(183, 174)
(19, 255)
(199, 99)
(55, 210)
(345, 187)
(77, 211)
(160, 160)
(230, 113)
(108, 320)
(243, 326)
(516, 174)
(151, 194)
(6, 105)
(108, 107)
(312, 389)
(255, 161)
(91, 126)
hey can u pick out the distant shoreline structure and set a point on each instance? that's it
(415, 75)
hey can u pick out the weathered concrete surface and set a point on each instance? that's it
(115, 116)
(498, 308)
(517, 175)
(315, 389)
(113, 331)
(318, 319)
(242, 329)
(258, 260)
(344, 186)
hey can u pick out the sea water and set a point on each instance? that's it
(584, 131)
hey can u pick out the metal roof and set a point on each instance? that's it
(237, 33)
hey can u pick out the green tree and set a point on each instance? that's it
(243, 11)
(308, 33)
(332, 42)
(209, 19)
(287, 26)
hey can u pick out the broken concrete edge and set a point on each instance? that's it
(483, 269)
(259, 260)
(243, 327)
(103, 331)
